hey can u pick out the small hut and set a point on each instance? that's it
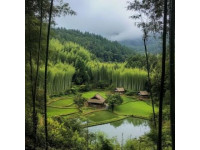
(96, 100)
(119, 90)
(143, 94)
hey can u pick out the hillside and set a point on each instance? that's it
(153, 45)
(101, 47)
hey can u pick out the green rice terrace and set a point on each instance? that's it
(131, 106)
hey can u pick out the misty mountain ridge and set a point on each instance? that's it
(153, 45)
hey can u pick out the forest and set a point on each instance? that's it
(101, 47)
(65, 68)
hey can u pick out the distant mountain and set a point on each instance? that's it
(104, 49)
(153, 45)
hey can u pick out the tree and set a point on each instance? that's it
(159, 147)
(35, 12)
(101, 84)
(148, 70)
(79, 100)
(150, 13)
(113, 100)
(81, 75)
(37, 74)
(172, 73)
(45, 80)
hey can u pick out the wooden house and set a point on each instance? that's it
(96, 100)
(119, 90)
(144, 94)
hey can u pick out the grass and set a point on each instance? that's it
(130, 106)
(127, 99)
(63, 102)
(137, 108)
(87, 109)
(92, 93)
(58, 111)
(101, 116)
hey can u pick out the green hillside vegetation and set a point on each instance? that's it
(101, 47)
(64, 68)
(73, 64)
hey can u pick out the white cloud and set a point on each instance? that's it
(104, 17)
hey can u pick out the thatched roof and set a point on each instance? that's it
(97, 99)
(144, 93)
(119, 90)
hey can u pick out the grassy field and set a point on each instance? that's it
(133, 107)
(87, 109)
(127, 99)
(63, 102)
(101, 116)
(137, 108)
(92, 93)
(58, 111)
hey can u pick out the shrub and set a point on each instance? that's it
(85, 88)
(129, 93)
(102, 84)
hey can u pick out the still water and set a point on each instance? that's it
(130, 127)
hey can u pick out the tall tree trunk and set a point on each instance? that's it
(31, 73)
(45, 84)
(172, 73)
(149, 80)
(159, 146)
(32, 92)
(37, 72)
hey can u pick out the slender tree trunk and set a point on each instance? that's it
(45, 84)
(172, 73)
(149, 80)
(159, 146)
(31, 76)
(32, 93)
(36, 78)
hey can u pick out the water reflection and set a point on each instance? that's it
(130, 127)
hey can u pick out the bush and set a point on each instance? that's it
(68, 91)
(111, 87)
(129, 93)
(102, 84)
(73, 90)
(85, 88)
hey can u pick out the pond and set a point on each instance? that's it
(130, 127)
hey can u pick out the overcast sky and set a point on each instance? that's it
(108, 18)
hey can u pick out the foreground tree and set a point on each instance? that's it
(79, 100)
(45, 78)
(159, 147)
(172, 73)
(35, 13)
(113, 100)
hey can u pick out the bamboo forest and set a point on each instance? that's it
(99, 75)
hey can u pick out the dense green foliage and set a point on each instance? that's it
(79, 100)
(59, 78)
(80, 62)
(102, 48)
(114, 100)
(149, 140)
(72, 63)
(119, 76)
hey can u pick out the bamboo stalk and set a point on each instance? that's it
(159, 145)
(45, 86)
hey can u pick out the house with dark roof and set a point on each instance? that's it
(144, 94)
(96, 100)
(119, 90)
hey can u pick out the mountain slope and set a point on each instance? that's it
(153, 45)
(102, 48)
